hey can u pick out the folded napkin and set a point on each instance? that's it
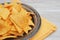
(45, 30)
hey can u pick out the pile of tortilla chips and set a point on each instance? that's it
(14, 20)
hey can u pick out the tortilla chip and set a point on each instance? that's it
(13, 28)
(26, 29)
(4, 13)
(4, 27)
(0, 17)
(22, 21)
(16, 26)
(19, 20)
(15, 33)
(4, 37)
(14, 11)
(9, 21)
(23, 12)
(17, 7)
(31, 23)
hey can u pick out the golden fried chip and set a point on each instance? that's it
(19, 20)
(26, 29)
(14, 11)
(9, 21)
(22, 22)
(4, 13)
(17, 7)
(15, 33)
(23, 12)
(4, 27)
(16, 26)
(13, 28)
(31, 23)
(4, 37)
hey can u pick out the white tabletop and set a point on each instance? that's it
(50, 9)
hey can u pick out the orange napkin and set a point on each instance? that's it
(45, 30)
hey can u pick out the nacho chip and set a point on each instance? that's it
(4, 13)
(14, 11)
(13, 28)
(19, 20)
(15, 33)
(26, 29)
(4, 27)
(4, 37)
(31, 23)
(23, 12)
(22, 22)
(9, 21)
(17, 7)
(16, 4)
(16, 26)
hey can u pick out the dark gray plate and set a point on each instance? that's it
(37, 21)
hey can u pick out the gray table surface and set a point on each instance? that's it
(50, 9)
